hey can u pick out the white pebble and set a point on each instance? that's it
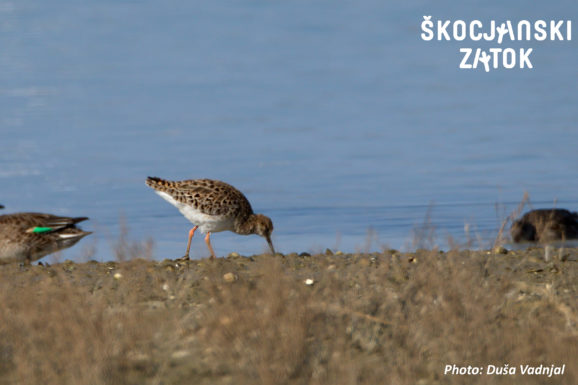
(230, 277)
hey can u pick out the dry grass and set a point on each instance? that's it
(126, 249)
(502, 238)
(368, 318)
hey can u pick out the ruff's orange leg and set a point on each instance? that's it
(191, 233)
(208, 241)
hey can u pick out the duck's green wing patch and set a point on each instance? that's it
(39, 229)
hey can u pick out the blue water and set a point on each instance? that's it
(333, 117)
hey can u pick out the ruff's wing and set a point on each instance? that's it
(210, 197)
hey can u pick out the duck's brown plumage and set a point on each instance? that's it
(27, 237)
(545, 225)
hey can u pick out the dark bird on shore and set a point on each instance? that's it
(27, 237)
(545, 225)
(213, 206)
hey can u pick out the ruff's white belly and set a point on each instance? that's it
(206, 223)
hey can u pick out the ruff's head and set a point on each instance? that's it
(263, 226)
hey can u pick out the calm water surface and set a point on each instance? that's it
(334, 118)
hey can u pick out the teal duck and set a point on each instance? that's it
(27, 237)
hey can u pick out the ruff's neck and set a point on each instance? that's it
(247, 226)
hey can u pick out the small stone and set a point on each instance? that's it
(230, 277)
(339, 252)
(234, 255)
(304, 254)
(117, 275)
(180, 354)
(331, 267)
(328, 252)
(309, 282)
(500, 250)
